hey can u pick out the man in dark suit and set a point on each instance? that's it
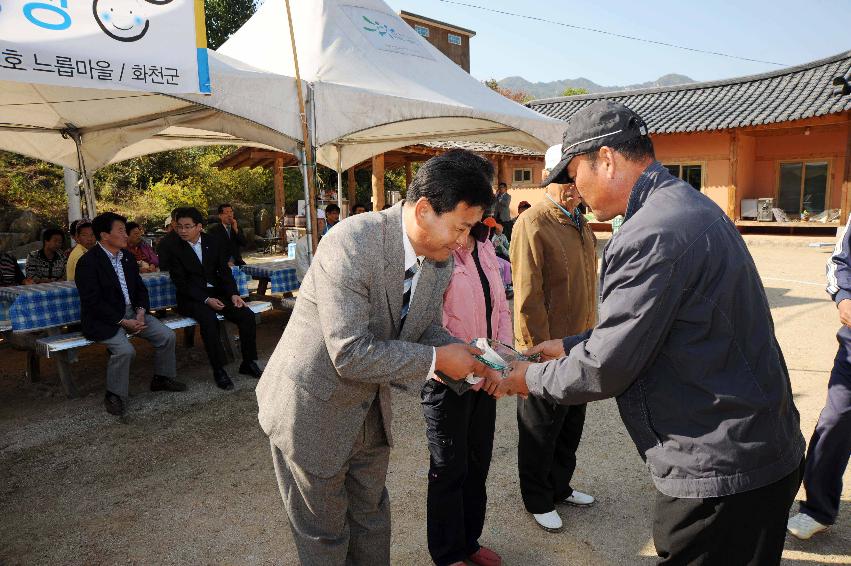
(114, 305)
(228, 232)
(205, 286)
(167, 243)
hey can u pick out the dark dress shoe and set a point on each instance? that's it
(250, 368)
(222, 379)
(162, 383)
(114, 404)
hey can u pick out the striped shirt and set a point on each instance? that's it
(115, 260)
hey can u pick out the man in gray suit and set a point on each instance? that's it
(369, 312)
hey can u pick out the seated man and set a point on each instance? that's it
(205, 286)
(332, 217)
(168, 242)
(48, 263)
(227, 230)
(114, 304)
(85, 240)
(10, 271)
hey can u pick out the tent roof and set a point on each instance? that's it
(247, 107)
(378, 85)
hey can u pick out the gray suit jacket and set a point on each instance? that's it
(343, 343)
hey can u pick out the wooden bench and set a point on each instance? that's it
(60, 345)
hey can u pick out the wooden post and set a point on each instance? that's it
(352, 188)
(846, 181)
(734, 175)
(408, 174)
(278, 176)
(378, 182)
(502, 173)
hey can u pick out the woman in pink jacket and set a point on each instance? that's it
(460, 428)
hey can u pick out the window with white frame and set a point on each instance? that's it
(522, 175)
(422, 30)
(454, 39)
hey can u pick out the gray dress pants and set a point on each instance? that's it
(344, 519)
(122, 353)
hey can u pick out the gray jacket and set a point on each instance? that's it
(343, 344)
(685, 341)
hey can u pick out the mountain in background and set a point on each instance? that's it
(555, 88)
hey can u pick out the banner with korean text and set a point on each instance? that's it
(155, 45)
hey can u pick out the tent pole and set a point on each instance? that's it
(72, 190)
(85, 181)
(340, 179)
(309, 164)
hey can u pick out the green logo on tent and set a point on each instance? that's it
(384, 30)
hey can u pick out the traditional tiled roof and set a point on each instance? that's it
(814, 89)
(483, 148)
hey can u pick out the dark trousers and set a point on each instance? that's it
(742, 529)
(460, 432)
(209, 325)
(830, 446)
(507, 228)
(549, 435)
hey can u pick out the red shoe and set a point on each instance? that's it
(485, 557)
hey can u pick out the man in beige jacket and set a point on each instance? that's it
(554, 262)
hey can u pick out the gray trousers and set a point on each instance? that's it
(344, 519)
(122, 353)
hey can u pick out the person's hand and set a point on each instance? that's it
(515, 383)
(233, 225)
(237, 301)
(132, 326)
(549, 350)
(844, 307)
(490, 384)
(456, 361)
(140, 316)
(215, 304)
(28, 281)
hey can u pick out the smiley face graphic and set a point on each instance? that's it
(124, 20)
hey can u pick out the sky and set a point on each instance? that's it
(779, 31)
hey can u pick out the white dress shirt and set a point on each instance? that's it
(115, 260)
(411, 258)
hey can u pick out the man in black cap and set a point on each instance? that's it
(685, 342)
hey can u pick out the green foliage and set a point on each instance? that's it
(31, 184)
(223, 17)
(571, 91)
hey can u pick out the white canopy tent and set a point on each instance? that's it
(377, 85)
(62, 124)
(248, 107)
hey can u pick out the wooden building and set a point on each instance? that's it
(451, 40)
(784, 135)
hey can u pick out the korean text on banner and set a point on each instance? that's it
(154, 45)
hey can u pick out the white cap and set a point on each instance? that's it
(552, 157)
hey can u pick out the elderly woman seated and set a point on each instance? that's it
(145, 255)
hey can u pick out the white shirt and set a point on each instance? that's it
(411, 258)
(196, 247)
(115, 260)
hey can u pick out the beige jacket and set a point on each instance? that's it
(554, 271)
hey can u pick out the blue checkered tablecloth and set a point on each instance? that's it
(280, 273)
(47, 305)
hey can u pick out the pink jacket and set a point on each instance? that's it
(463, 301)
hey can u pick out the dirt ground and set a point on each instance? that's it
(186, 478)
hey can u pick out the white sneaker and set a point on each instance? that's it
(550, 522)
(803, 526)
(579, 499)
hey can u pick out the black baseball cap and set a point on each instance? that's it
(603, 123)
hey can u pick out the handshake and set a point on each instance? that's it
(457, 361)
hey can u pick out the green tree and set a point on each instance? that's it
(570, 91)
(223, 17)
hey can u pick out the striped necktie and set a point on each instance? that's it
(409, 285)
